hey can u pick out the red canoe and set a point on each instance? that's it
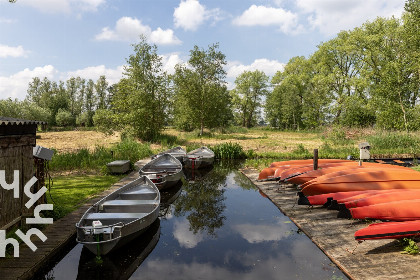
(381, 197)
(305, 162)
(321, 199)
(346, 167)
(376, 179)
(402, 210)
(388, 230)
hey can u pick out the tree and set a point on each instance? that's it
(250, 87)
(201, 96)
(141, 98)
(90, 102)
(101, 87)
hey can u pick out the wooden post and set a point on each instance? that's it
(315, 159)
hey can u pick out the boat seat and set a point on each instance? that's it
(139, 194)
(129, 202)
(113, 218)
(128, 206)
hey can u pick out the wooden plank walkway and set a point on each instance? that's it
(373, 259)
(59, 235)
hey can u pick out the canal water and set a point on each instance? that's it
(217, 225)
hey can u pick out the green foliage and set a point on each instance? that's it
(141, 98)
(23, 110)
(103, 119)
(64, 118)
(246, 97)
(201, 99)
(394, 143)
(97, 159)
(228, 151)
(409, 246)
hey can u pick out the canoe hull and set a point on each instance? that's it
(388, 230)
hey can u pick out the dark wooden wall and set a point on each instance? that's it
(16, 153)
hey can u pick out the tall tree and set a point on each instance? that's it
(101, 88)
(141, 97)
(201, 96)
(90, 102)
(251, 86)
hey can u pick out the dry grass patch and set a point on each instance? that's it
(70, 141)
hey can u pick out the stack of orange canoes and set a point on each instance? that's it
(370, 191)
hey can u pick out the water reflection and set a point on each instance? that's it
(215, 226)
(122, 263)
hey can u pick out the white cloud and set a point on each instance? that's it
(129, 29)
(94, 72)
(268, 16)
(169, 61)
(269, 67)
(331, 16)
(6, 51)
(15, 86)
(185, 237)
(261, 233)
(190, 14)
(63, 6)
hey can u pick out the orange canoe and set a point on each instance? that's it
(376, 179)
(305, 162)
(347, 167)
(388, 230)
(322, 199)
(382, 198)
(402, 210)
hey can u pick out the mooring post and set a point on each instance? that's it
(315, 159)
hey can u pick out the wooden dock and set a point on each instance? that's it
(59, 235)
(372, 259)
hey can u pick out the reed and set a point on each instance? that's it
(228, 151)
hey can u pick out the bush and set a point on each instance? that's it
(228, 151)
(64, 118)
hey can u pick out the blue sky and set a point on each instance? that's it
(59, 39)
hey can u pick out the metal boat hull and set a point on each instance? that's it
(199, 158)
(123, 214)
(164, 171)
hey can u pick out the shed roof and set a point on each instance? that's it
(14, 121)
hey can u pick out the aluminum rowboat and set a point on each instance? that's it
(119, 217)
(199, 158)
(164, 171)
(176, 152)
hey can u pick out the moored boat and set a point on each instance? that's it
(199, 158)
(402, 210)
(376, 179)
(389, 230)
(165, 171)
(177, 152)
(305, 162)
(326, 198)
(344, 168)
(119, 217)
(382, 197)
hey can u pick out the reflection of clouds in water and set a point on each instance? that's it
(260, 233)
(259, 266)
(231, 182)
(185, 237)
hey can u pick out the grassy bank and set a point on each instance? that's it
(70, 192)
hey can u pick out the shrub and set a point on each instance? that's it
(228, 151)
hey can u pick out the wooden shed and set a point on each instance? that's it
(17, 139)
